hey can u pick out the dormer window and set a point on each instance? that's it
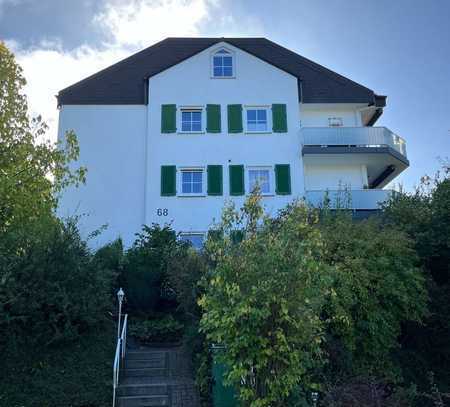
(222, 64)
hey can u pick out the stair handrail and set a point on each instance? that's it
(119, 356)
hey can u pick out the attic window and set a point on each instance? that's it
(222, 64)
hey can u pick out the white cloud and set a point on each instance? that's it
(142, 23)
(132, 26)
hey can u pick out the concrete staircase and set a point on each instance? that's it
(157, 377)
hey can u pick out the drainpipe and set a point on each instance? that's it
(366, 108)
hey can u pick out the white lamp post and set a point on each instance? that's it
(120, 295)
(315, 397)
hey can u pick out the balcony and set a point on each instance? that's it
(361, 199)
(367, 137)
(382, 151)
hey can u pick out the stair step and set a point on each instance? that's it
(146, 355)
(145, 372)
(143, 401)
(142, 390)
(145, 363)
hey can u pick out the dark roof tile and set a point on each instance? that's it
(124, 82)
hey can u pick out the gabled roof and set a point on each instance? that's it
(124, 82)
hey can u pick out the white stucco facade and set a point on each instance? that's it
(112, 148)
(189, 83)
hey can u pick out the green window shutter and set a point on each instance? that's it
(168, 118)
(215, 180)
(283, 179)
(279, 118)
(237, 180)
(168, 180)
(235, 119)
(213, 119)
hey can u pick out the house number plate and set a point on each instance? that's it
(162, 212)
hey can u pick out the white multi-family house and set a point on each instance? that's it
(171, 133)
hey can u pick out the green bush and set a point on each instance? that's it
(424, 215)
(144, 275)
(51, 287)
(306, 299)
(165, 329)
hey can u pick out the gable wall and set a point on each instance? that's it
(190, 83)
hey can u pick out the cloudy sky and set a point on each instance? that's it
(398, 48)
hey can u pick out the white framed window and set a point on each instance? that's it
(222, 64)
(335, 122)
(192, 181)
(195, 239)
(257, 119)
(262, 177)
(191, 120)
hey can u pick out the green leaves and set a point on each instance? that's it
(32, 170)
(253, 301)
(298, 298)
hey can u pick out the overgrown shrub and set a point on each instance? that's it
(263, 300)
(163, 329)
(186, 267)
(144, 275)
(424, 215)
(52, 288)
(303, 301)
(367, 392)
(378, 287)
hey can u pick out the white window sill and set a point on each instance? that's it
(258, 132)
(191, 132)
(191, 195)
(263, 195)
(223, 77)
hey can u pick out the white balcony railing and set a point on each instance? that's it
(353, 136)
(367, 199)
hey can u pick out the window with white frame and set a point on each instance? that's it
(196, 240)
(191, 120)
(335, 121)
(222, 64)
(257, 119)
(260, 177)
(192, 181)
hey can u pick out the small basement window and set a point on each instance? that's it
(222, 64)
(196, 240)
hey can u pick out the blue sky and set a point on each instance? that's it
(397, 48)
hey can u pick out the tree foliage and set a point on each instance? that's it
(32, 169)
(424, 215)
(378, 286)
(306, 298)
(263, 300)
(48, 288)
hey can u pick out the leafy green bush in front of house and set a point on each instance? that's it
(306, 299)
(165, 329)
(52, 289)
(75, 374)
(424, 215)
(263, 299)
(378, 287)
(144, 274)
